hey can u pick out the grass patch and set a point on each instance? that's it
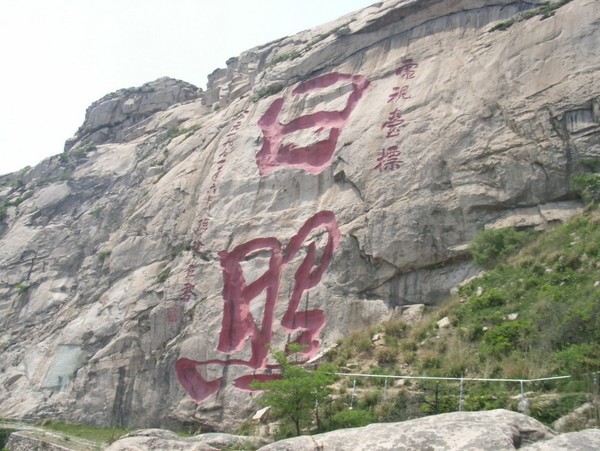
(268, 91)
(546, 10)
(587, 186)
(289, 56)
(176, 131)
(4, 435)
(88, 432)
(164, 275)
(103, 255)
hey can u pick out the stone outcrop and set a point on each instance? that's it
(160, 439)
(34, 439)
(340, 179)
(491, 430)
(495, 429)
(586, 440)
(584, 417)
(115, 116)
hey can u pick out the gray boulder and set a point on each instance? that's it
(493, 430)
(160, 439)
(587, 440)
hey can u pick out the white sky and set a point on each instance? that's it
(58, 56)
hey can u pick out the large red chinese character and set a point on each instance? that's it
(313, 158)
(239, 325)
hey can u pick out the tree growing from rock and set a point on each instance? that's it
(299, 393)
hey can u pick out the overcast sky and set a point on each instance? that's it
(58, 56)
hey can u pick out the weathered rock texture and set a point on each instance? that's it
(496, 429)
(161, 439)
(342, 176)
(110, 119)
(492, 430)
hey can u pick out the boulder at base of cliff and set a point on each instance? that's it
(160, 439)
(495, 429)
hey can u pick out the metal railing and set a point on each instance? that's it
(522, 403)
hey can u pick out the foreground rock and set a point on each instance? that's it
(492, 430)
(150, 439)
(587, 440)
(114, 116)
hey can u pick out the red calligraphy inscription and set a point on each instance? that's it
(315, 157)
(407, 70)
(389, 160)
(398, 93)
(393, 123)
(188, 289)
(174, 314)
(240, 326)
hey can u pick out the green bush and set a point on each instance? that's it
(550, 408)
(268, 91)
(587, 186)
(578, 358)
(395, 328)
(21, 288)
(4, 435)
(351, 419)
(17, 183)
(102, 255)
(505, 338)
(490, 246)
(163, 276)
(299, 395)
(503, 25)
(489, 299)
(386, 355)
(545, 11)
(286, 57)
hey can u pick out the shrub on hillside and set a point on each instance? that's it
(351, 419)
(489, 246)
(587, 186)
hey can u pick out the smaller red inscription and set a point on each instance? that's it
(389, 159)
(174, 314)
(393, 123)
(399, 93)
(407, 70)
(197, 242)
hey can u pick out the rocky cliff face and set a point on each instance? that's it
(320, 183)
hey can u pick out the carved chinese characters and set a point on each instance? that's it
(246, 334)
(389, 159)
(239, 325)
(313, 158)
(202, 226)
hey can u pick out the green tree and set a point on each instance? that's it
(299, 394)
